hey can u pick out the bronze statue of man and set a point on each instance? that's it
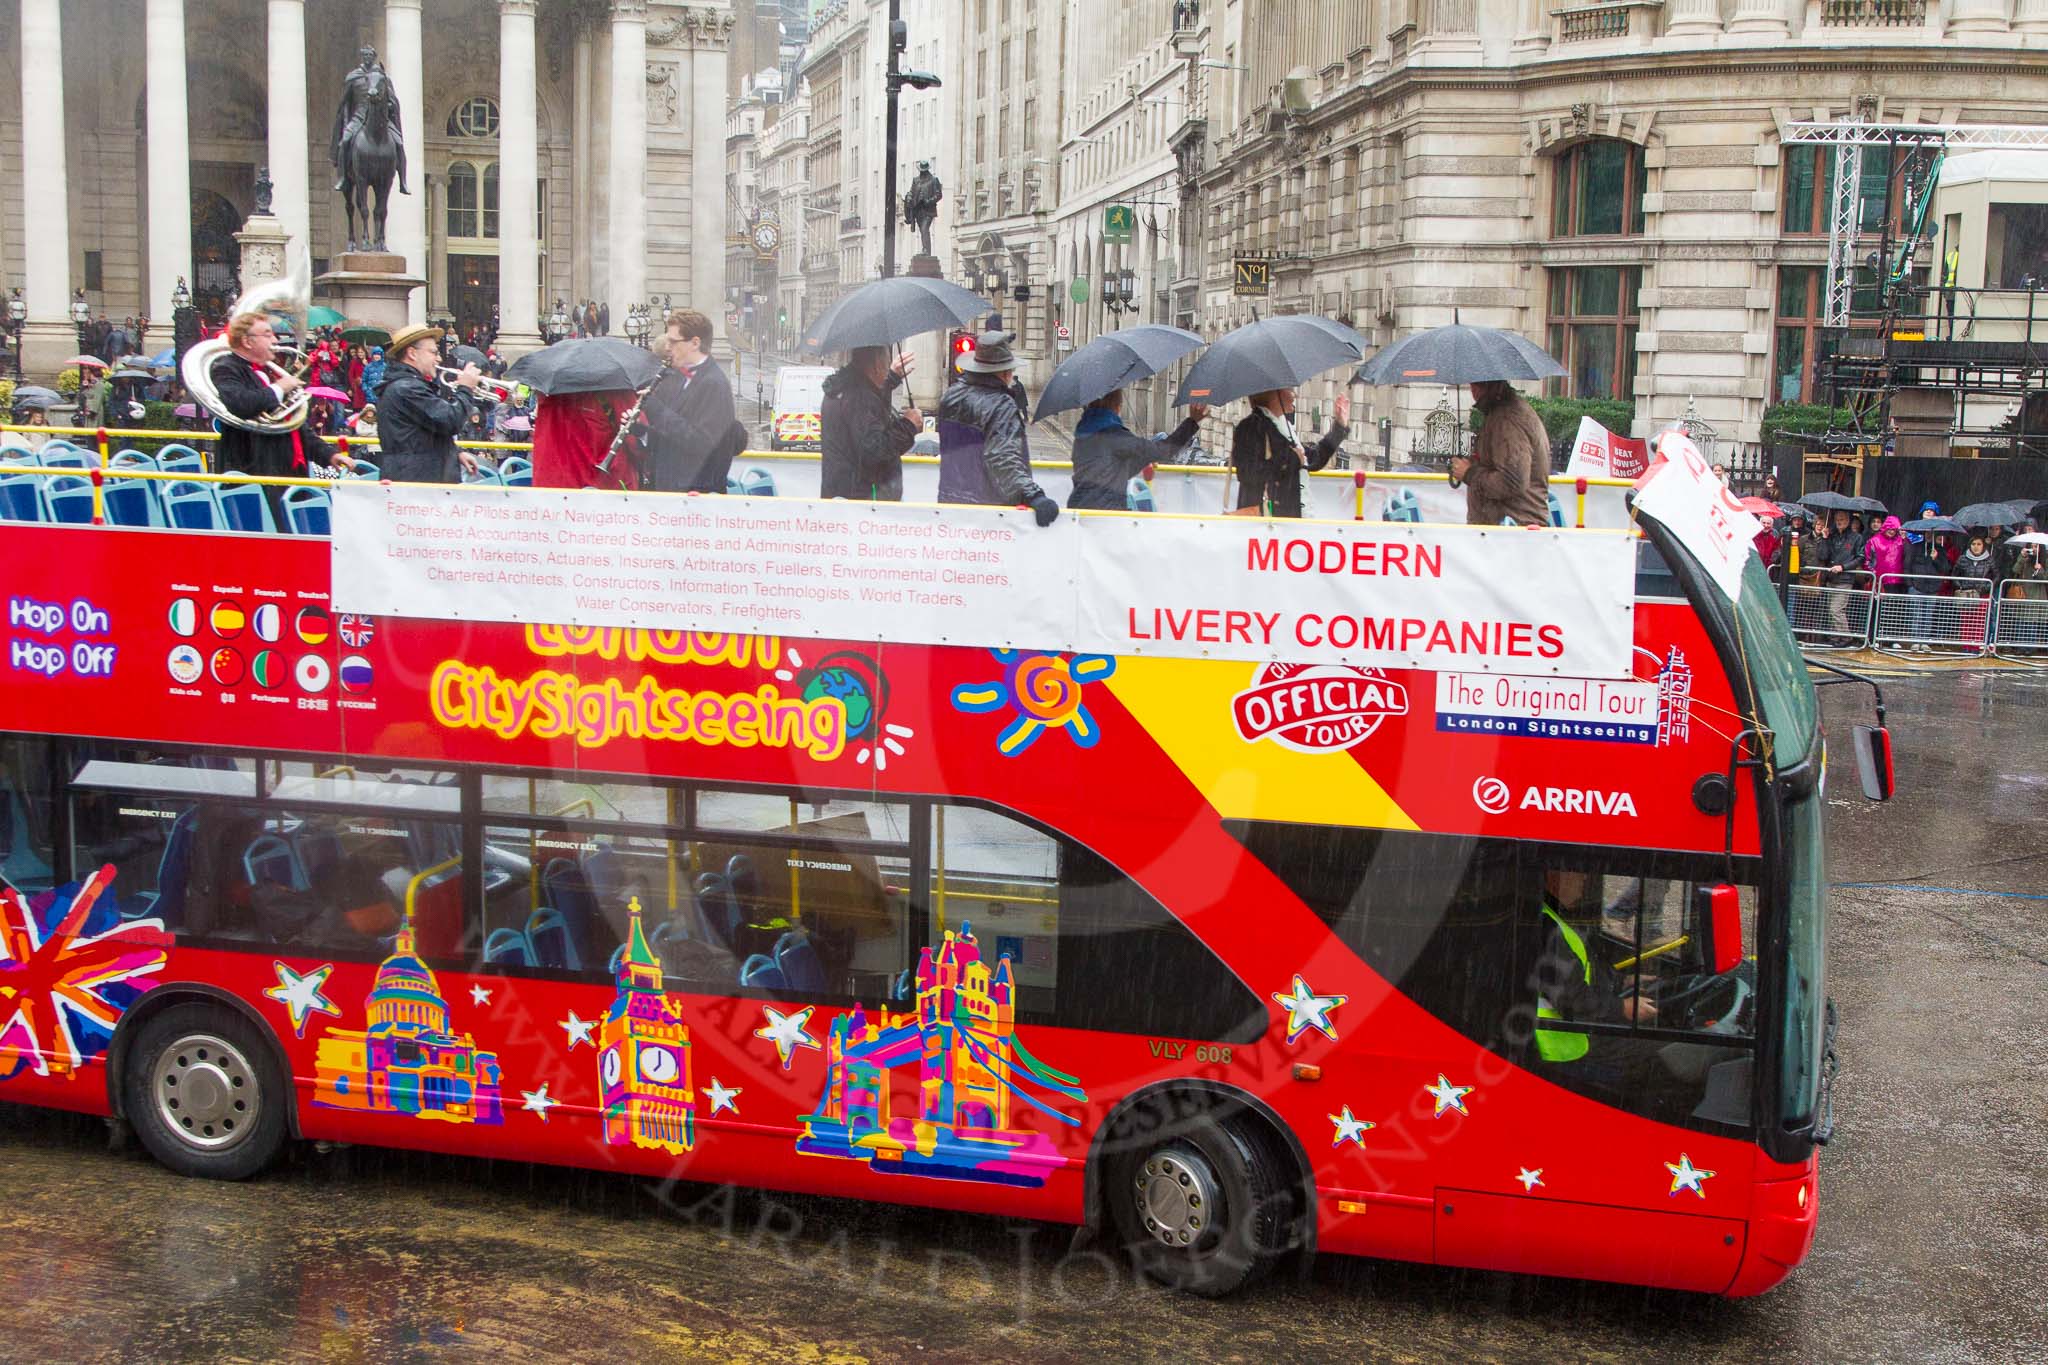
(921, 204)
(349, 116)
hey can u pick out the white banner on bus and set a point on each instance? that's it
(1686, 495)
(1370, 594)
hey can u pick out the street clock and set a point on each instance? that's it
(767, 237)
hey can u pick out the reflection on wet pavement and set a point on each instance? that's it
(1934, 1220)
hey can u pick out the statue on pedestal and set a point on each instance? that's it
(368, 149)
(921, 205)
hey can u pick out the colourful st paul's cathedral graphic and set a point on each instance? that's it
(643, 1057)
(408, 1061)
(962, 1038)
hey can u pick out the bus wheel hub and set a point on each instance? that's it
(1176, 1197)
(205, 1092)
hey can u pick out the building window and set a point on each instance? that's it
(1593, 321)
(1802, 343)
(474, 117)
(462, 200)
(1809, 180)
(491, 200)
(1597, 190)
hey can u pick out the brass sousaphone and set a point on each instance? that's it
(291, 298)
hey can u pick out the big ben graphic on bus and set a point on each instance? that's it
(643, 1057)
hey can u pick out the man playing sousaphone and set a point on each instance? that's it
(250, 386)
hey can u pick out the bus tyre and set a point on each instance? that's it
(1200, 1202)
(203, 1091)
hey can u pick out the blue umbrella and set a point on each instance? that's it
(1110, 362)
(167, 356)
(1274, 353)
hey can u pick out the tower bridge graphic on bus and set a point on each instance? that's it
(971, 1067)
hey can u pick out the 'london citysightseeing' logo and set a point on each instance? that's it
(1316, 708)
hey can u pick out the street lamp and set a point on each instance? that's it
(558, 323)
(636, 324)
(184, 331)
(17, 316)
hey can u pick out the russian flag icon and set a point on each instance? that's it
(356, 673)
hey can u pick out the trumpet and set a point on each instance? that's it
(448, 374)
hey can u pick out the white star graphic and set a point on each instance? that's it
(787, 1032)
(1448, 1096)
(1349, 1129)
(537, 1102)
(480, 995)
(1530, 1179)
(301, 994)
(1686, 1176)
(723, 1096)
(1306, 1010)
(578, 1030)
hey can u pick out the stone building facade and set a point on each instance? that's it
(1610, 179)
(132, 134)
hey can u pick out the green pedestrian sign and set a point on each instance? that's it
(1078, 291)
(1117, 222)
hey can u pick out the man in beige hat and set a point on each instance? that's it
(417, 416)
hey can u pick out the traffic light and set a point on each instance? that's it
(962, 346)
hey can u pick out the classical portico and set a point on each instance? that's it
(552, 151)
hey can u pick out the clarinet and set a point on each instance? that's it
(604, 466)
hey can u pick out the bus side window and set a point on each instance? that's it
(999, 878)
(28, 851)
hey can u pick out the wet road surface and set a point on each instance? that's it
(1933, 1231)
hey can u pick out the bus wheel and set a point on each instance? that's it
(1200, 1204)
(203, 1093)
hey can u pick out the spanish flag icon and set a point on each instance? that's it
(228, 619)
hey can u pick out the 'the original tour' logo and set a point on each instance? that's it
(1316, 708)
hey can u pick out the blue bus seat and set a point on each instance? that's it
(758, 483)
(130, 458)
(244, 507)
(903, 986)
(177, 458)
(308, 511)
(508, 947)
(64, 455)
(1556, 511)
(1138, 496)
(21, 497)
(733, 488)
(68, 499)
(366, 470)
(484, 474)
(798, 962)
(547, 934)
(191, 506)
(761, 972)
(132, 502)
(718, 908)
(270, 859)
(517, 471)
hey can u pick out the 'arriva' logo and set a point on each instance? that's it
(1494, 796)
(1316, 708)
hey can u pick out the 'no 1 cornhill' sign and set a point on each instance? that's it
(1252, 279)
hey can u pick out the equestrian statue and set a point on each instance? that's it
(368, 149)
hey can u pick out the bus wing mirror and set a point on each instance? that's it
(1873, 744)
(1719, 916)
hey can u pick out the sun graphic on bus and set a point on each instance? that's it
(1044, 690)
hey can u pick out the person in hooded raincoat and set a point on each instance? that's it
(1108, 454)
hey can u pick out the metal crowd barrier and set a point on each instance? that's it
(2019, 630)
(1834, 613)
(1910, 621)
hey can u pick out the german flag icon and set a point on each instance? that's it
(314, 625)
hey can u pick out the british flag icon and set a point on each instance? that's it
(356, 631)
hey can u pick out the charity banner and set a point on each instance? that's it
(1598, 453)
(1685, 494)
(1367, 594)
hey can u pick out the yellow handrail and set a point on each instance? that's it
(412, 888)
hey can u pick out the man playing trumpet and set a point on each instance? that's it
(418, 417)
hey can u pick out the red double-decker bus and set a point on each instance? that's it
(1235, 960)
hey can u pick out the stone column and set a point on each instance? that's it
(628, 235)
(2030, 16)
(1977, 16)
(1533, 33)
(1764, 18)
(405, 227)
(579, 158)
(707, 173)
(170, 163)
(518, 172)
(46, 250)
(290, 147)
(1693, 18)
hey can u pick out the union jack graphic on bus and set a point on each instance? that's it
(357, 631)
(70, 966)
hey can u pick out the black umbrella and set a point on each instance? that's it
(1793, 509)
(2023, 509)
(884, 312)
(468, 355)
(34, 396)
(1832, 502)
(1110, 362)
(1459, 355)
(1862, 504)
(1937, 525)
(586, 365)
(1275, 353)
(1979, 515)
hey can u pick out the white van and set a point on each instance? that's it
(799, 397)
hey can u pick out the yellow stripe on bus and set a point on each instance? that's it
(1185, 704)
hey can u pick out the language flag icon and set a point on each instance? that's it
(356, 631)
(266, 669)
(184, 616)
(228, 620)
(268, 622)
(356, 674)
(186, 664)
(314, 625)
(227, 667)
(312, 673)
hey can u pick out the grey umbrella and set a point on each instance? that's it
(1938, 525)
(34, 396)
(1459, 355)
(586, 365)
(1833, 502)
(1979, 515)
(1110, 362)
(884, 312)
(1274, 353)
